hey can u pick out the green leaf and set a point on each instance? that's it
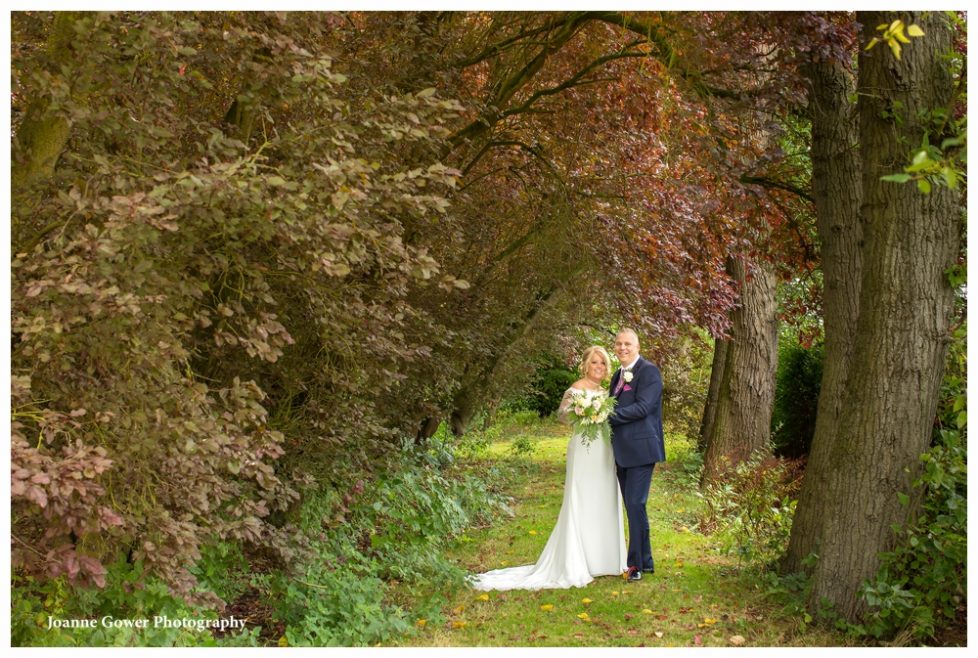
(896, 178)
(276, 181)
(961, 420)
(904, 499)
(924, 186)
(915, 31)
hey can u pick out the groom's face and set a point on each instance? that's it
(626, 347)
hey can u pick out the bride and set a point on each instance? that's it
(588, 539)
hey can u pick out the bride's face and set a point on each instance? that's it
(596, 368)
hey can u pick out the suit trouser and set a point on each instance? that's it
(635, 482)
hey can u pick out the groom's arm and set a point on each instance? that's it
(647, 395)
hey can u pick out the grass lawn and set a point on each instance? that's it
(698, 595)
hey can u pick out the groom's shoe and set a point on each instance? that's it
(633, 574)
(649, 570)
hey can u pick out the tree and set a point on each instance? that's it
(905, 304)
(742, 420)
(837, 190)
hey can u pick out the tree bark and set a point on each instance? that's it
(906, 305)
(720, 346)
(742, 424)
(43, 134)
(837, 190)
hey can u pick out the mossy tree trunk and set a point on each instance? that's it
(906, 304)
(837, 190)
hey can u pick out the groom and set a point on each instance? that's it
(636, 427)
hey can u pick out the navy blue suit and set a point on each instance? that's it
(636, 427)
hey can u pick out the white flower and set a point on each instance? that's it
(628, 376)
(596, 403)
(579, 410)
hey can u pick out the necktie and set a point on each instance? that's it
(621, 382)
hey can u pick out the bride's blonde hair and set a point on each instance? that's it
(588, 353)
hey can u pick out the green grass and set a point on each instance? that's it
(697, 596)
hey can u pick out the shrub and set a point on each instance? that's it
(129, 593)
(752, 509)
(393, 529)
(799, 380)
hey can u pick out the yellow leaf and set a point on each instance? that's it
(900, 35)
(915, 31)
(895, 47)
(896, 25)
(646, 611)
(458, 610)
(614, 593)
(421, 623)
(533, 532)
(737, 640)
(547, 607)
(583, 616)
(459, 624)
(585, 601)
(882, 27)
(283, 641)
(484, 597)
(872, 42)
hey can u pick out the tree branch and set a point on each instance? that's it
(776, 185)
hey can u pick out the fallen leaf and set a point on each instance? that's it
(646, 611)
(698, 640)
(614, 593)
(484, 597)
(547, 607)
(459, 624)
(658, 634)
(585, 601)
(533, 532)
(583, 616)
(421, 623)
(458, 610)
(737, 640)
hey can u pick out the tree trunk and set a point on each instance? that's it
(710, 408)
(837, 188)
(42, 134)
(905, 308)
(746, 393)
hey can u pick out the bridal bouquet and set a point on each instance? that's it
(588, 412)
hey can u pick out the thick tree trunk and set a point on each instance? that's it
(713, 394)
(905, 308)
(742, 424)
(837, 188)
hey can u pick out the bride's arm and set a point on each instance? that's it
(564, 408)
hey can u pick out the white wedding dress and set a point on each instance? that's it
(588, 539)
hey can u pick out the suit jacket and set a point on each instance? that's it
(636, 424)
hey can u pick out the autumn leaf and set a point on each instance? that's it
(533, 532)
(421, 623)
(547, 607)
(484, 597)
(459, 624)
(583, 616)
(586, 601)
(737, 640)
(646, 611)
(658, 634)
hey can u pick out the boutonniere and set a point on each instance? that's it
(628, 376)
